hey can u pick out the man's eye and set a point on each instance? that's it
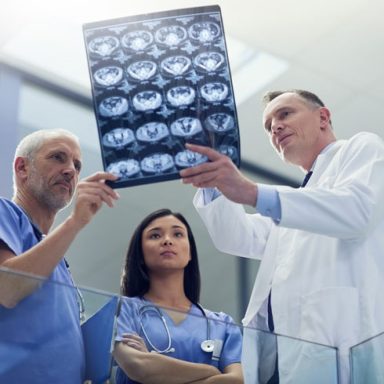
(285, 114)
(78, 166)
(58, 156)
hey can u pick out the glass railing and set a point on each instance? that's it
(41, 337)
(298, 361)
(367, 361)
(41, 340)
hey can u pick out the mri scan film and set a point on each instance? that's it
(159, 81)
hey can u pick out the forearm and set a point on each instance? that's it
(233, 230)
(153, 368)
(43, 257)
(224, 378)
(233, 374)
(91, 194)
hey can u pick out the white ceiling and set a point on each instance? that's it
(332, 47)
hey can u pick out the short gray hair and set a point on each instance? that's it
(31, 143)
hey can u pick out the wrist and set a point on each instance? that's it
(72, 224)
(251, 192)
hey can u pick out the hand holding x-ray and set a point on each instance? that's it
(221, 173)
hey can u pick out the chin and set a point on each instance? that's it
(58, 204)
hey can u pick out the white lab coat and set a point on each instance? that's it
(324, 262)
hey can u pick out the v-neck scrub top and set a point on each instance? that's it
(186, 336)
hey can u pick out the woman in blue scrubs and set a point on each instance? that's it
(163, 334)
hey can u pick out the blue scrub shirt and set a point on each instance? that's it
(186, 337)
(40, 338)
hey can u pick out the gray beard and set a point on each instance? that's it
(44, 195)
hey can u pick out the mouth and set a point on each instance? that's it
(65, 185)
(168, 253)
(281, 140)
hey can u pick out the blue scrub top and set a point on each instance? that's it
(40, 338)
(186, 337)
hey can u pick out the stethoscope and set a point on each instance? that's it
(208, 345)
(79, 296)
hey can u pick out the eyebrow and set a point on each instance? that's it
(160, 228)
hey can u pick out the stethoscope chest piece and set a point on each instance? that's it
(208, 345)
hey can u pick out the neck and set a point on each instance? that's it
(168, 291)
(37, 213)
(307, 165)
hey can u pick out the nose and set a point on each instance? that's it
(167, 240)
(69, 171)
(276, 127)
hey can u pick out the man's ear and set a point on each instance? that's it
(325, 118)
(21, 168)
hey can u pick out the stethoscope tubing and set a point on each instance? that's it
(169, 349)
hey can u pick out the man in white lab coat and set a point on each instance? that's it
(321, 247)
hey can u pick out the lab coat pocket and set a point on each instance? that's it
(331, 316)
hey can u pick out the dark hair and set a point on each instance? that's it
(308, 96)
(135, 278)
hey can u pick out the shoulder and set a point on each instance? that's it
(219, 316)
(15, 228)
(363, 145)
(365, 139)
(11, 214)
(126, 300)
(7, 206)
(130, 304)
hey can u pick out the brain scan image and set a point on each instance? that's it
(186, 126)
(137, 40)
(181, 95)
(157, 163)
(103, 46)
(151, 132)
(171, 35)
(142, 70)
(189, 158)
(108, 76)
(147, 100)
(204, 32)
(118, 138)
(113, 106)
(124, 168)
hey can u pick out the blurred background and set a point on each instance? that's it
(334, 48)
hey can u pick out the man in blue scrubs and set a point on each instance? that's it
(40, 335)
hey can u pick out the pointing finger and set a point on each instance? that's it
(101, 176)
(207, 151)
